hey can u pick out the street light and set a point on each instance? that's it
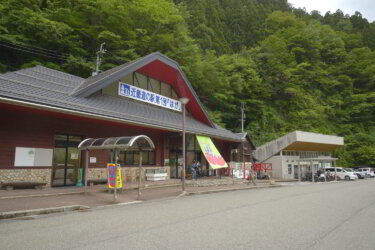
(183, 101)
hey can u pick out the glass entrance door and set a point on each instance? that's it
(175, 161)
(66, 160)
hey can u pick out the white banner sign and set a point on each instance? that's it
(149, 97)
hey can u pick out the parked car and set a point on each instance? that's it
(360, 175)
(367, 172)
(342, 174)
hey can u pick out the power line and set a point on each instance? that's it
(28, 47)
(33, 52)
(40, 48)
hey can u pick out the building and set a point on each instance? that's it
(298, 150)
(46, 113)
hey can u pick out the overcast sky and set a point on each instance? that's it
(366, 7)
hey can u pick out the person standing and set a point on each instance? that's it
(197, 168)
(194, 170)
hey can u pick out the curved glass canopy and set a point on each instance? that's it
(128, 143)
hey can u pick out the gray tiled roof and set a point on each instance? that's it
(100, 81)
(52, 88)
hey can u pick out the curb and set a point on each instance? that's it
(142, 188)
(40, 195)
(31, 212)
(230, 189)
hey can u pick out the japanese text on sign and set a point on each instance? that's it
(149, 97)
(114, 176)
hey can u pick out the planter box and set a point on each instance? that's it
(156, 176)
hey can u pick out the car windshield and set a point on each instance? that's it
(349, 170)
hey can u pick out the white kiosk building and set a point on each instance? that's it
(298, 150)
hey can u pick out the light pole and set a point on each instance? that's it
(183, 101)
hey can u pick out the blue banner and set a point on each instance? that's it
(148, 97)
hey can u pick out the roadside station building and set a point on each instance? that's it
(45, 114)
(298, 150)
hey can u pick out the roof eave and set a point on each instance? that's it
(103, 117)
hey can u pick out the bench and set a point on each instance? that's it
(96, 182)
(22, 184)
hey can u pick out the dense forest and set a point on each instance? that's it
(293, 70)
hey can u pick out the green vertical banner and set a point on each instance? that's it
(211, 153)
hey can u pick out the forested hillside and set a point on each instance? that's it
(293, 70)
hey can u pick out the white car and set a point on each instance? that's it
(360, 175)
(342, 174)
(367, 172)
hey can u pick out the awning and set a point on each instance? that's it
(128, 143)
(211, 153)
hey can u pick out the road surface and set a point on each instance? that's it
(310, 216)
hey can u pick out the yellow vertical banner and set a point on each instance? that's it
(114, 176)
(118, 177)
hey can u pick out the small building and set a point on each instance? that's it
(45, 114)
(298, 149)
(244, 151)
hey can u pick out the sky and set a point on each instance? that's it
(366, 7)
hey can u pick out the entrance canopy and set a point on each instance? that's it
(128, 143)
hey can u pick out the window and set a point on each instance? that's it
(154, 86)
(130, 158)
(140, 81)
(289, 168)
(174, 95)
(165, 89)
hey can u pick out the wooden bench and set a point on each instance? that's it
(22, 184)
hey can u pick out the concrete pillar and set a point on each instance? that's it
(312, 171)
(299, 171)
(86, 168)
(140, 175)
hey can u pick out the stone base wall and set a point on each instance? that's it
(129, 174)
(34, 175)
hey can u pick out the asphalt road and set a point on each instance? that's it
(311, 216)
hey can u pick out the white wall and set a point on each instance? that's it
(286, 160)
(276, 166)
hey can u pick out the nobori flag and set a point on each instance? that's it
(211, 153)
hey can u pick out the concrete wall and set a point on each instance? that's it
(276, 162)
(318, 138)
(269, 149)
(26, 175)
(129, 174)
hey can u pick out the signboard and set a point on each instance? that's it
(142, 95)
(33, 157)
(211, 153)
(74, 156)
(114, 176)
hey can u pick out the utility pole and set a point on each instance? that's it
(242, 115)
(99, 56)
